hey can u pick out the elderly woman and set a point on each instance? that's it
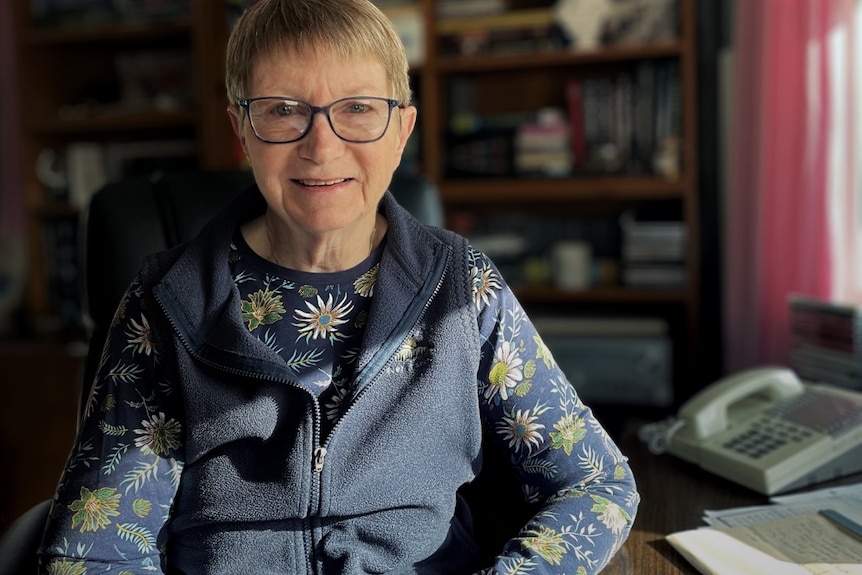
(308, 385)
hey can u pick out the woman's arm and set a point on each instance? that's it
(568, 467)
(115, 494)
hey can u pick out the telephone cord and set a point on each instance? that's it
(658, 435)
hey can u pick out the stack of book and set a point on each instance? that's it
(542, 146)
(653, 252)
(826, 341)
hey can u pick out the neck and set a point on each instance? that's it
(291, 251)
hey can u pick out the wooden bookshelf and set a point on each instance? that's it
(56, 63)
(61, 64)
(505, 81)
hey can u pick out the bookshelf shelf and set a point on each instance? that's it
(600, 295)
(559, 58)
(54, 209)
(123, 32)
(485, 190)
(106, 123)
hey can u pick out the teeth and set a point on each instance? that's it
(321, 183)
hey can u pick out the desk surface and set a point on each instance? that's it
(674, 494)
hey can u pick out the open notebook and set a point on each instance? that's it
(790, 536)
(803, 544)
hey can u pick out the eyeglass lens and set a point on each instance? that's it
(353, 119)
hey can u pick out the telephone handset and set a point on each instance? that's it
(767, 430)
(707, 414)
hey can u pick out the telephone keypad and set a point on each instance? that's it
(765, 436)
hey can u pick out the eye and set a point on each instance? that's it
(355, 107)
(358, 108)
(284, 109)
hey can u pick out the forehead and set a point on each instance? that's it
(311, 74)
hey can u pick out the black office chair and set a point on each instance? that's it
(125, 222)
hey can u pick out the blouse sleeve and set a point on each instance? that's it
(115, 494)
(568, 467)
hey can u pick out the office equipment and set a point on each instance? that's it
(619, 361)
(765, 429)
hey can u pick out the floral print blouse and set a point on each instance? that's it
(315, 322)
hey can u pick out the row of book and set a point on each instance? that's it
(628, 123)
(826, 341)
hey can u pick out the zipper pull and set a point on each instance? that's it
(319, 456)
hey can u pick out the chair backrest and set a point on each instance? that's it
(130, 219)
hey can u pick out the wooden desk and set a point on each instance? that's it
(674, 495)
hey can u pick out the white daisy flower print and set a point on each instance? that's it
(158, 436)
(521, 430)
(505, 373)
(139, 336)
(323, 320)
(485, 283)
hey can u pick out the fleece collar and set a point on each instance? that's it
(198, 295)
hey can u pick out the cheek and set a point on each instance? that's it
(266, 157)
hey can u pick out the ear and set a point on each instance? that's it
(236, 122)
(408, 122)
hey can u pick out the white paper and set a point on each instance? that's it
(801, 544)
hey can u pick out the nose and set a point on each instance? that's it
(320, 144)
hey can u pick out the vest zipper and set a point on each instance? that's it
(319, 457)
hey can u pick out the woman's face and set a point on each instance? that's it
(321, 183)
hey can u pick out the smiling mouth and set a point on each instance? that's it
(322, 183)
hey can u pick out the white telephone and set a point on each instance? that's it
(765, 429)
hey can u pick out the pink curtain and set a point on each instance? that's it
(777, 229)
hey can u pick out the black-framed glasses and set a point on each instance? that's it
(357, 119)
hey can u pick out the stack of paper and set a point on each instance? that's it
(789, 537)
